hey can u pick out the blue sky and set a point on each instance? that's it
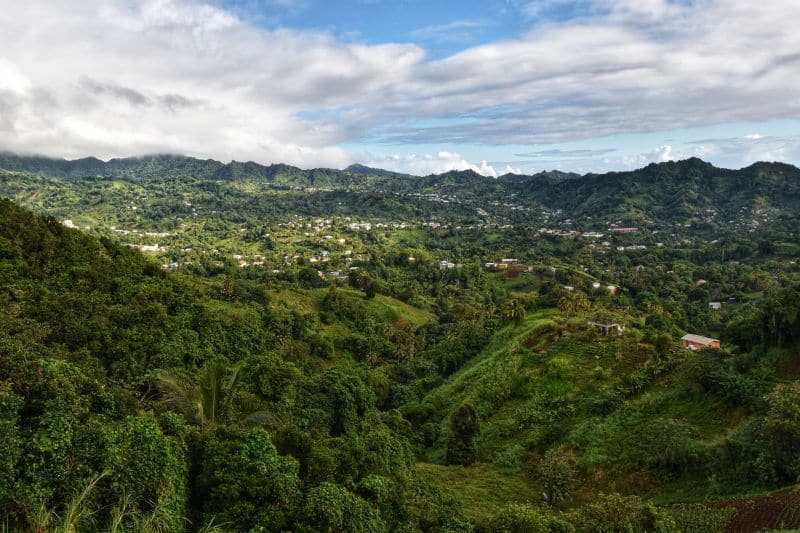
(409, 85)
(442, 27)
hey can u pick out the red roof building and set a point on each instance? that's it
(696, 342)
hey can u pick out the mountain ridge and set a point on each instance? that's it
(62, 167)
(685, 193)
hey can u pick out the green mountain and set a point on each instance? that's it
(370, 171)
(328, 350)
(673, 191)
(658, 196)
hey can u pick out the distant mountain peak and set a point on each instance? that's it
(364, 170)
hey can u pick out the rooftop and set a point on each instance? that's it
(698, 339)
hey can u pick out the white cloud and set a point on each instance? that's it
(751, 148)
(664, 153)
(118, 77)
(12, 79)
(629, 67)
(425, 164)
(660, 154)
(179, 76)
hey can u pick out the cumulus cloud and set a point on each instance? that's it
(178, 76)
(559, 154)
(632, 66)
(118, 77)
(737, 151)
(425, 164)
(664, 153)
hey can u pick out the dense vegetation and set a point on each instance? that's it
(326, 351)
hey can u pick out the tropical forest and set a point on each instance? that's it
(188, 345)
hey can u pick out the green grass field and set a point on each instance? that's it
(480, 488)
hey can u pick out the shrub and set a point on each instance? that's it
(614, 513)
(509, 457)
(243, 481)
(779, 458)
(556, 471)
(331, 508)
(464, 426)
(526, 518)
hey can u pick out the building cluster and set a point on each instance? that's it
(504, 264)
(624, 230)
(448, 265)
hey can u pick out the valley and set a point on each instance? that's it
(269, 347)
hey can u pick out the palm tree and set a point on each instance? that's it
(582, 301)
(566, 304)
(206, 401)
(514, 310)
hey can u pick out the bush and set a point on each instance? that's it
(509, 457)
(779, 460)
(526, 518)
(464, 426)
(243, 482)
(331, 508)
(669, 444)
(615, 513)
(556, 471)
(149, 468)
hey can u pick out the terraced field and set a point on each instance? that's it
(761, 513)
(769, 512)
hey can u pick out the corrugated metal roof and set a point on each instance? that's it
(698, 339)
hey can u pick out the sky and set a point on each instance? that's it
(408, 85)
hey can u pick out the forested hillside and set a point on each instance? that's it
(134, 400)
(684, 194)
(363, 351)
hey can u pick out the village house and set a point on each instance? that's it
(715, 306)
(696, 342)
(608, 328)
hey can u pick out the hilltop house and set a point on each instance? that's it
(696, 342)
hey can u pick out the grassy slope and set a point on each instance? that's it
(393, 309)
(532, 388)
(384, 307)
(480, 489)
